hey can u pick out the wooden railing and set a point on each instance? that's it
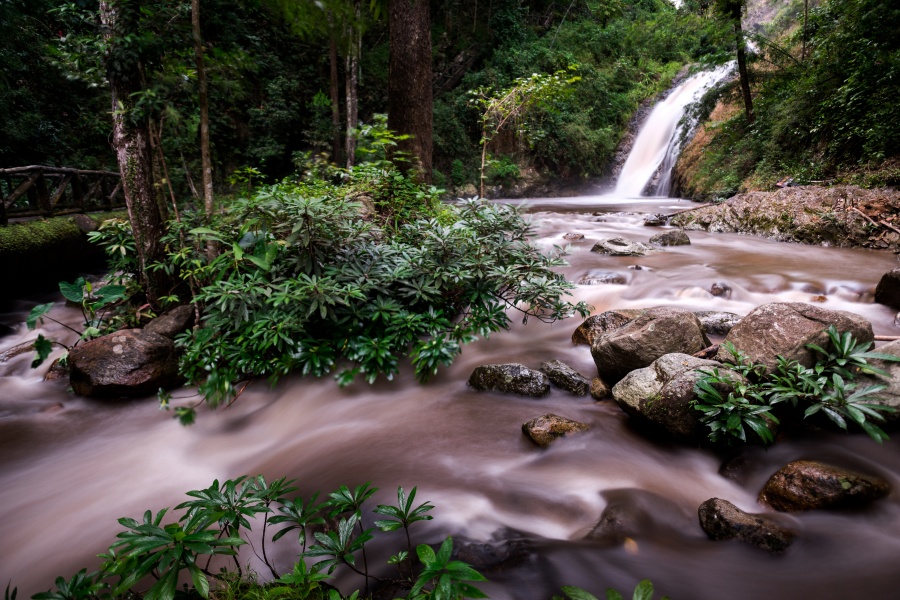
(46, 191)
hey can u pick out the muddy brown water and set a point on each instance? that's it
(69, 467)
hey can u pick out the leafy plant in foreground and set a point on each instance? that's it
(216, 523)
(728, 415)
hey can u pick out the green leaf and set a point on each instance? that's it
(36, 314)
(73, 292)
(201, 583)
(43, 347)
(644, 590)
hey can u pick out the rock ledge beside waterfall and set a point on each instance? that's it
(845, 215)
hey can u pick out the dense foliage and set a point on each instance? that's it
(150, 555)
(733, 404)
(304, 282)
(824, 103)
(269, 80)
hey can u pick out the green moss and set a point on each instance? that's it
(35, 237)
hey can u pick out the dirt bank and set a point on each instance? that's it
(842, 215)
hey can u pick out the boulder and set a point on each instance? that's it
(572, 237)
(657, 332)
(890, 395)
(722, 520)
(595, 325)
(619, 246)
(545, 429)
(716, 322)
(606, 277)
(656, 220)
(132, 362)
(662, 393)
(785, 328)
(599, 389)
(173, 322)
(887, 291)
(567, 378)
(809, 485)
(671, 238)
(510, 378)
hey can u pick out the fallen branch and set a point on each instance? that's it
(707, 352)
(864, 215)
(887, 338)
(889, 226)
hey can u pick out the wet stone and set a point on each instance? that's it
(656, 220)
(716, 322)
(573, 236)
(599, 389)
(809, 485)
(565, 377)
(607, 278)
(721, 290)
(619, 246)
(671, 238)
(722, 520)
(544, 430)
(510, 378)
(596, 325)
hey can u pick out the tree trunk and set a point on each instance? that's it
(203, 96)
(409, 80)
(735, 8)
(335, 98)
(132, 147)
(352, 80)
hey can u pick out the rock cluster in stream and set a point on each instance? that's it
(650, 360)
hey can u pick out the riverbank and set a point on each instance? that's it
(844, 216)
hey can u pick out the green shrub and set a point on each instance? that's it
(827, 387)
(218, 520)
(304, 282)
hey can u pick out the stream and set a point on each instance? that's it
(70, 466)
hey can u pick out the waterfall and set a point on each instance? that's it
(658, 143)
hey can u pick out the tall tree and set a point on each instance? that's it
(733, 11)
(203, 98)
(131, 137)
(409, 80)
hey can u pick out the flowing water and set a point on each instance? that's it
(658, 142)
(69, 467)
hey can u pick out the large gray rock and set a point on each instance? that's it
(657, 332)
(887, 291)
(173, 322)
(132, 362)
(545, 429)
(596, 325)
(722, 520)
(808, 485)
(510, 378)
(671, 238)
(619, 246)
(785, 328)
(662, 393)
(567, 378)
(716, 322)
(890, 396)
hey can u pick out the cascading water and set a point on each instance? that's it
(658, 142)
